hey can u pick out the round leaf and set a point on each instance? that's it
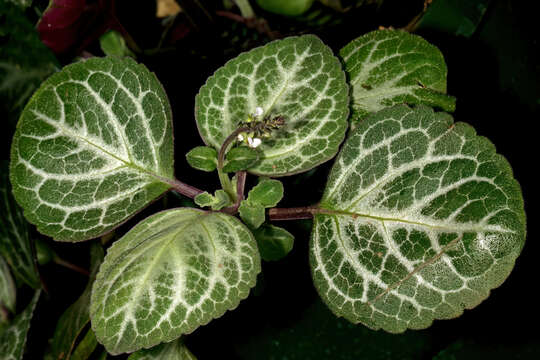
(297, 78)
(202, 158)
(267, 193)
(252, 213)
(171, 273)
(93, 146)
(388, 67)
(240, 158)
(419, 220)
(274, 242)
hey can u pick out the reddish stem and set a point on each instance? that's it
(304, 212)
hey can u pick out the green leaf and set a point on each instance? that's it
(388, 67)
(267, 193)
(113, 44)
(286, 7)
(85, 348)
(76, 317)
(8, 292)
(93, 147)
(240, 158)
(456, 17)
(252, 213)
(420, 219)
(21, 3)
(13, 338)
(216, 202)
(202, 158)
(174, 350)
(171, 273)
(297, 78)
(274, 242)
(14, 238)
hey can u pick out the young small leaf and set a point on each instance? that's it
(112, 43)
(286, 7)
(267, 193)
(171, 273)
(13, 338)
(8, 292)
(202, 158)
(218, 201)
(420, 219)
(93, 147)
(274, 242)
(297, 79)
(174, 350)
(14, 236)
(252, 213)
(76, 317)
(240, 158)
(388, 67)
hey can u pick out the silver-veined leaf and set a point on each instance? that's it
(388, 67)
(174, 350)
(297, 78)
(93, 146)
(170, 274)
(13, 338)
(76, 317)
(14, 237)
(8, 291)
(420, 219)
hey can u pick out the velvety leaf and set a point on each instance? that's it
(76, 317)
(13, 338)
(420, 219)
(14, 237)
(113, 44)
(202, 158)
(8, 291)
(268, 192)
(297, 79)
(274, 242)
(252, 213)
(93, 147)
(216, 202)
(170, 274)
(85, 348)
(25, 62)
(174, 350)
(388, 67)
(286, 7)
(240, 158)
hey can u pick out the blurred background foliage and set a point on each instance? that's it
(491, 48)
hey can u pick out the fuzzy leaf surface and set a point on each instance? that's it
(8, 291)
(76, 317)
(202, 158)
(268, 192)
(389, 67)
(297, 78)
(274, 242)
(93, 147)
(170, 274)
(174, 350)
(14, 234)
(240, 158)
(13, 338)
(420, 219)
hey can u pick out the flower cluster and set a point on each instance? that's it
(259, 128)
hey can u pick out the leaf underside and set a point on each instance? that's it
(171, 273)
(92, 148)
(420, 219)
(298, 78)
(14, 234)
(389, 67)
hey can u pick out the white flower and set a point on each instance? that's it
(258, 111)
(240, 137)
(253, 143)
